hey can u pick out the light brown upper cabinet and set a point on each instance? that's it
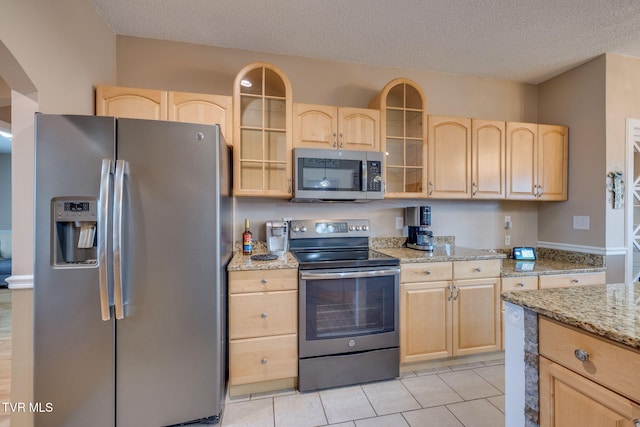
(162, 105)
(403, 126)
(132, 103)
(449, 157)
(537, 161)
(262, 116)
(342, 128)
(201, 108)
(487, 159)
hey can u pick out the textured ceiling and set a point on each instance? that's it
(521, 40)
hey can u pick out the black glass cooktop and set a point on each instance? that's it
(313, 259)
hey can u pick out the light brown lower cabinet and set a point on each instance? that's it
(586, 380)
(263, 326)
(442, 318)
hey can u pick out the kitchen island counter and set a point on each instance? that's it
(610, 311)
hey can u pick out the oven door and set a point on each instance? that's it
(348, 310)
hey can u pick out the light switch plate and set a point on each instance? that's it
(580, 222)
(399, 223)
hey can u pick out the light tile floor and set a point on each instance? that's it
(459, 396)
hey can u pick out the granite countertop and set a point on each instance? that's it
(610, 311)
(440, 253)
(241, 262)
(513, 268)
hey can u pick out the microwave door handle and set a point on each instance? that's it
(122, 169)
(365, 181)
(348, 275)
(103, 231)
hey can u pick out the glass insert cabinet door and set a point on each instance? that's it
(262, 116)
(403, 109)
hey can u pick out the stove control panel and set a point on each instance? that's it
(325, 228)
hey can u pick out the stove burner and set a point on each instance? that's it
(315, 259)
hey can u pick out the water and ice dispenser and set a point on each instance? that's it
(74, 231)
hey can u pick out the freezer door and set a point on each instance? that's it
(168, 343)
(73, 346)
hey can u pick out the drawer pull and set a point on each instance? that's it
(520, 285)
(575, 280)
(264, 361)
(581, 355)
(478, 269)
(264, 315)
(427, 272)
(264, 281)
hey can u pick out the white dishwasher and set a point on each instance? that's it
(514, 365)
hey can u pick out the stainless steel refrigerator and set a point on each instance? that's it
(132, 238)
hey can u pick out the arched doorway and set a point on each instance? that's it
(23, 105)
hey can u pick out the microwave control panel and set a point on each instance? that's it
(374, 176)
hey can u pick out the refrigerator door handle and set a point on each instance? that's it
(103, 230)
(122, 169)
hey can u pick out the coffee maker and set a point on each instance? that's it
(418, 220)
(277, 237)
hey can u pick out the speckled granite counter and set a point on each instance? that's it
(440, 253)
(611, 311)
(241, 262)
(512, 268)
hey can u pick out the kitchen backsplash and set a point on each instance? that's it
(570, 256)
(397, 242)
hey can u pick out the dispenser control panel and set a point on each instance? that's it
(75, 210)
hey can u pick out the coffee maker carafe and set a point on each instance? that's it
(418, 220)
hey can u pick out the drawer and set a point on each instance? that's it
(519, 283)
(263, 314)
(565, 280)
(425, 272)
(612, 365)
(263, 280)
(476, 269)
(263, 359)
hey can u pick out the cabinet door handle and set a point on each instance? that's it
(289, 185)
(474, 189)
(341, 140)
(540, 191)
(581, 355)
(636, 422)
(335, 139)
(264, 361)
(430, 188)
(450, 293)
(264, 315)
(455, 298)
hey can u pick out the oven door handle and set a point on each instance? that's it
(349, 274)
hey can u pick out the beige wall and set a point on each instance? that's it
(51, 55)
(576, 99)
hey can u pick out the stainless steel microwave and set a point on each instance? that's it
(336, 175)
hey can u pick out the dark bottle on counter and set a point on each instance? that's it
(247, 239)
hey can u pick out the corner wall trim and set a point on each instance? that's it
(585, 249)
(20, 282)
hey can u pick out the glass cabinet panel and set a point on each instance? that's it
(404, 111)
(262, 115)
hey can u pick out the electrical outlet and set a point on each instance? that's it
(507, 240)
(507, 222)
(399, 223)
